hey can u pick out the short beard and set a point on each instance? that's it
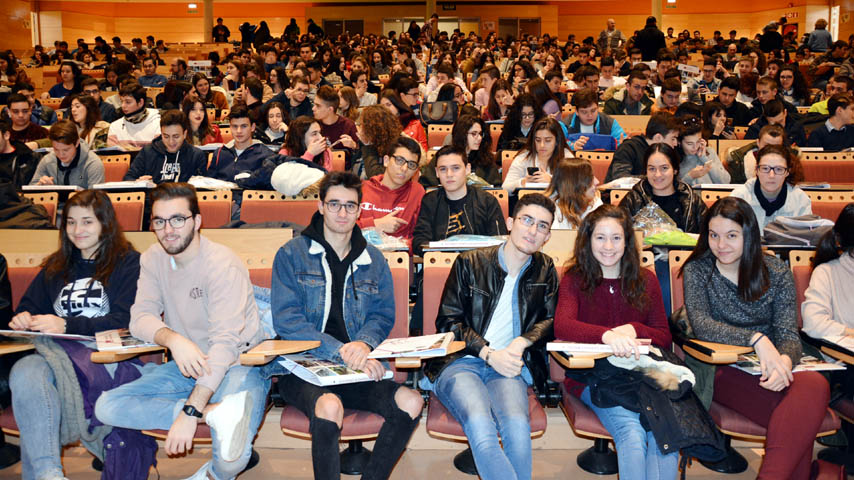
(181, 247)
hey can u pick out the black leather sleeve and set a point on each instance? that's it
(455, 310)
(5, 295)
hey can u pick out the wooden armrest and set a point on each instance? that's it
(113, 357)
(267, 350)
(577, 360)
(13, 347)
(716, 353)
(845, 357)
(415, 362)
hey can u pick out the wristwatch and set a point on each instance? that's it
(191, 411)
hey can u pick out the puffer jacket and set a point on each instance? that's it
(692, 204)
(471, 295)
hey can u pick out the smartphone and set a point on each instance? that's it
(533, 170)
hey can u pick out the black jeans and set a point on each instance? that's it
(374, 397)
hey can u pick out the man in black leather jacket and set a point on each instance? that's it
(501, 302)
(454, 208)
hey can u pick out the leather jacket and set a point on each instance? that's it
(692, 204)
(471, 295)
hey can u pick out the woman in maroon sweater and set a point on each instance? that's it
(607, 297)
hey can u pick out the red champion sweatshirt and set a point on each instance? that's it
(378, 201)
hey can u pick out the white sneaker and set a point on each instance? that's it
(230, 421)
(201, 474)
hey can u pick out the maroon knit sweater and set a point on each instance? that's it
(585, 318)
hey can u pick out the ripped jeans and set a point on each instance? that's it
(155, 400)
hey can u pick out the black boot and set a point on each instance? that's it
(324, 449)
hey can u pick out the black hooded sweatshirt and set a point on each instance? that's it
(163, 166)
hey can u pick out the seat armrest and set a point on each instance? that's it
(715, 353)
(118, 356)
(267, 350)
(577, 360)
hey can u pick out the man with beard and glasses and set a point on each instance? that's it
(209, 317)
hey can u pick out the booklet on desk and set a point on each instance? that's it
(466, 242)
(119, 339)
(323, 373)
(51, 188)
(572, 347)
(843, 341)
(750, 363)
(125, 185)
(425, 346)
(30, 334)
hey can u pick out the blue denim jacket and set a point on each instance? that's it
(301, 291)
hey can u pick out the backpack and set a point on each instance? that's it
(802, 231)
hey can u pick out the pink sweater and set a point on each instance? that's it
(210, 302)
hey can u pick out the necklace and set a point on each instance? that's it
(611, 289)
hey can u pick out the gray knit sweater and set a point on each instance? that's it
(718, 314)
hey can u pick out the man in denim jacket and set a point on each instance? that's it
(330, 285)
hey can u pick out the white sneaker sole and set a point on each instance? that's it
(232, 436)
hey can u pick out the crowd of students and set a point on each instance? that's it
(293, 102)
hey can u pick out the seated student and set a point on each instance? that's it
(631, 99)
(296, 99)
(583, 59)
(554, 79)
(274, 126)
(628, 159)
(84, 113)
(23, 129)
(736, 112)
(837, 133)
(339, 130)
(607, 79)
(195, 298)
(546, 147)
(665, 60)
(88, 285)
(521, 116)
(348, 327)
(586, 77)
(715, 122)
(360, 81)
(767, 89)
(408, 121)
(661, 184)
(90, 87)
(635, 57)
(40, 114)
(250, 94)
(777, 114)
(573, 189)
(210, 98)
(607, 297)
(454, 208)
(304, 140)
(837, 84)
(471, 134)
(71, 162)
(741, 162)
(391, 201)
(201, 131)
(169, 158)
(827, 309)
(700, 164)
(737, 295)
(487, 77)
(242, 155)
(17, 161)
(668, 99)
(151, 77)
(69, 74)
(588, 119)
(139, 126)
(500, 101)
(793, 88)
(485, 386)
(773, 192)
(707, 83)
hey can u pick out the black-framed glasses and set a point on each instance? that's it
(528, 115)
(177, 221)
(542, 227)
(766, 169)
(400, 161)
(335, 206)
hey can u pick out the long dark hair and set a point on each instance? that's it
(482, 157)
(93, 113)
(539, 89)
(753, 277)
(839, 240)
(799, 85)
(550, 124)
(295, 138)
(196, 137)
(513, 122)
(585, 266)
(492, 107)
(404, 113)
(113, 245)
(570, 181)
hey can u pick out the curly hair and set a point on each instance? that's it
(380, 128)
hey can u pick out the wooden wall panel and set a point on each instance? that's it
(15, 24)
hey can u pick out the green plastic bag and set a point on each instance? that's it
(673, 237)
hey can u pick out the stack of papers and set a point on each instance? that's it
(51, 188)
(125, 185)
(466, 242)
(208, 183)
(422, 347)
(118, 340)
(323, 373)
(750, 363)
(572, 347)
(623, 183)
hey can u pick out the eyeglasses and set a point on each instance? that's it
(91, 92)
(767, 169)
(528, 115)
(302, 90)
(335, 206)
(400, 161)
(542, 227)
(177, 221)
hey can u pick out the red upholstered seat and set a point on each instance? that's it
(20, 278)
(263, 277)
(845, 408)
(357, 423)
(203, 433)
(582, 419)
(734, 423)
(7, 421)
(441, 422)
(823, 170)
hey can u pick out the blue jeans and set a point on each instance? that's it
(638, 456)
(37, 407)
(488, 404)
(155, 400)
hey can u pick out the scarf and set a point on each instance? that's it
(66, 171)
(768, 206)
(137, 116)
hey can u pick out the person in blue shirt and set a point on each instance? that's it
(69, 72)
(151, 78)
(588, 119)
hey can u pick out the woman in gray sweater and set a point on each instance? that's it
(737, 295)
